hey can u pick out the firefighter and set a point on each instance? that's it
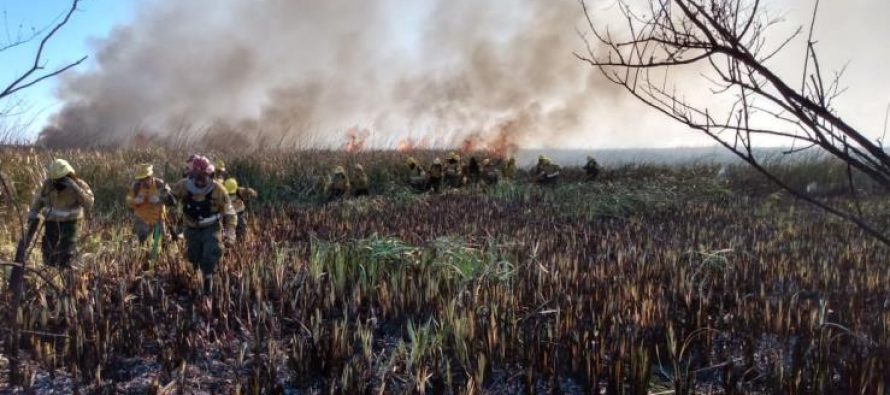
(64, 200)
(473, 171)
(546, 172)
(339, 184)
(490, 173)
(147, 198)
(435, 175)
(208, 217)
(510, 169)
(240, 198)
(454, 176)
(591, 169)
(220, 174)
(416, 175)
(360, 184)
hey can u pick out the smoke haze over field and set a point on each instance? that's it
(304, 72)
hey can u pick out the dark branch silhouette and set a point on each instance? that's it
(727, 41)
(28, 78)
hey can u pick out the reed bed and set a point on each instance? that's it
(656, 281)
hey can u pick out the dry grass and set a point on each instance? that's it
(658, 280)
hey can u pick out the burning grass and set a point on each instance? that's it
(652, 281)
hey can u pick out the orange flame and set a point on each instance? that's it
(356, 139)
(409, 144)
(406, 145)
(469, 144)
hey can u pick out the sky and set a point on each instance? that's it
(127, 37)
(94, 21)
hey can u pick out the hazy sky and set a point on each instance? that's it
(19, 17)
(850, 33)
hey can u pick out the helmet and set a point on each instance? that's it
(339, 170)
(202, 165)
(144, 170)
(543, 159)
(453, 156)
(359, 167)
(411, 161)
(231, 185)
(486, 162)
(60, 168)
(437, 161)
(220, 165)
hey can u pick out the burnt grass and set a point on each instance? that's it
(623, 286)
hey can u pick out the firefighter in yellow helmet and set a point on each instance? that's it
(510, 169)
(416, 175)
(360, 184)
(63, 201)
(147, 197)
(220, 173)
(240, 198)
(454, 172)
(208, 216)
(338, 186)
(546, 172)
(437, 171)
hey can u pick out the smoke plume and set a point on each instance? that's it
(307, 73)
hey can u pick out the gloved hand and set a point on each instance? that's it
(154, 199)
(229, 238)
(138, 199)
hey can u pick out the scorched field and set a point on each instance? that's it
(649, 280)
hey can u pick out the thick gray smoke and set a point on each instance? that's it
(397, 73)
(305, 72)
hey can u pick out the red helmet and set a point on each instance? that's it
(201, 165)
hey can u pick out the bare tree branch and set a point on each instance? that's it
(728, 39)
(22, 82)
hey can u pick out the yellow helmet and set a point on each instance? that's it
(411, 161)
(60, 168)
(220, 165)
(486, 162)
(231, 185)
(359, 167)
(453, 156)
(339, 170)
(144, 170)
(437, 161)
(543, 159)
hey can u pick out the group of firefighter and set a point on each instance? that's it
(211, 204)
(212, 207)
(451, 174)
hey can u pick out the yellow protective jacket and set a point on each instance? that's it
(436, 171)
(339, 183)
(241, 197)
(69, 204)
(203, 207)
(360, 181)
(454, 169)
(147, 211)
(546, 171)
